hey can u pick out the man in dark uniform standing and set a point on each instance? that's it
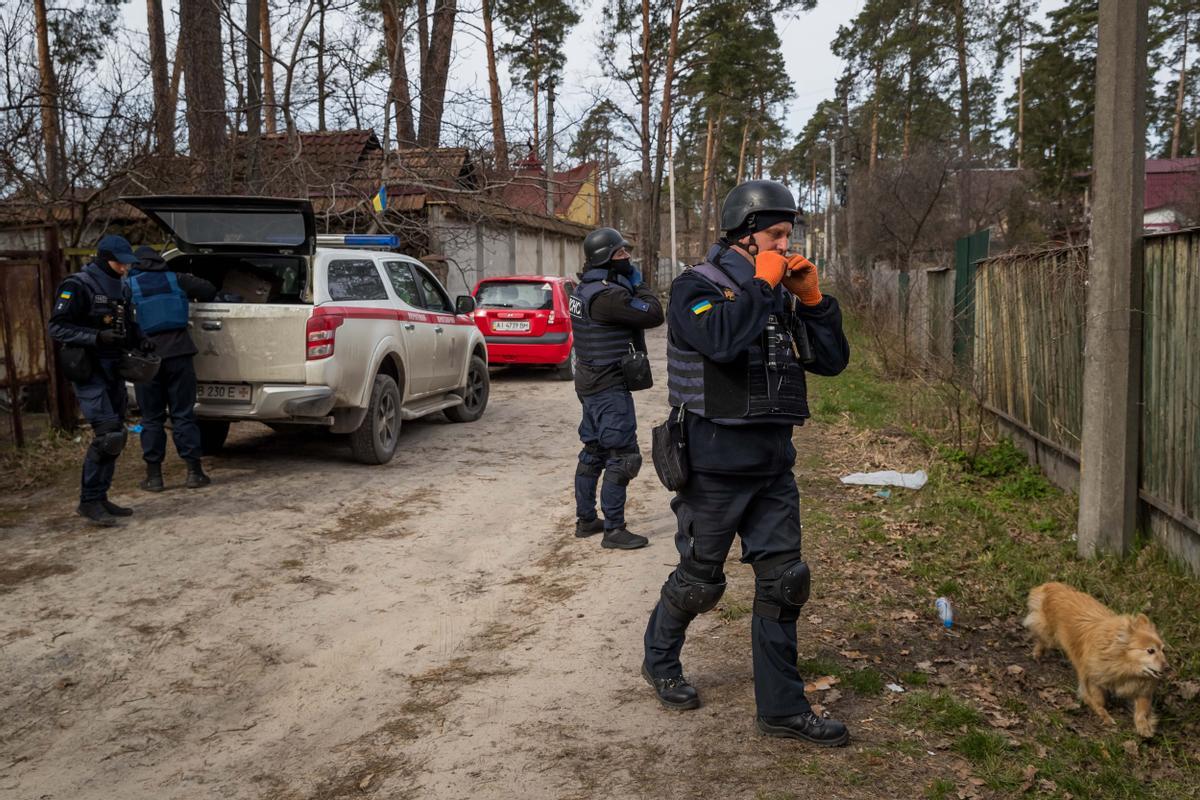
(744, 327)
(610, 310)
(161, 297)
(93, 319)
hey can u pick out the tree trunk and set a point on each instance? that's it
(499, 140)
(664, 125)
(423, 34)
(48, 99)
(321, 76)
(1021, 96)
(742, 152)
(1177, 130)
(239, 100)
(875, 121)
(964, 114)
(393, 31)
(164, 112)
(646, 224)
(435, 72)
(200, 24)
(705, 183)
(268, 62)
(253, 93)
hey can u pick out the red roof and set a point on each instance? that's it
(1171, 181)
(527, 190)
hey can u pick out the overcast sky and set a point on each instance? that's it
(811, 66)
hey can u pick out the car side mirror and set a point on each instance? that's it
(464, 304)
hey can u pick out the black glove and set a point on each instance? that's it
(108, 337)
(146, 346)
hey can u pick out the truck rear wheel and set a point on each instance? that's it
(212, 436)
(375, 440)
(474, 394)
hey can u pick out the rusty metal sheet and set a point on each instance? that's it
(21, 291)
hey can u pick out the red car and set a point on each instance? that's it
(525, 321)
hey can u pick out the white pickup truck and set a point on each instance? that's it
(354, 340)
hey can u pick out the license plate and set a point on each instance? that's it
(223, 392)
(517, 326)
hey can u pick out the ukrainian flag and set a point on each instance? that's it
(379, 200)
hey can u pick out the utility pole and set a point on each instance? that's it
(1109, 446)
(550, 148)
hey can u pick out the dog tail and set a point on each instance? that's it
(1034, 620)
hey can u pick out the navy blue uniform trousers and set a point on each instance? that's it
(173, 391)
(710, 510)
(102, 400)
(608, 427)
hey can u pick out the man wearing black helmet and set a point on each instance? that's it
(610, 310)
(744, 327)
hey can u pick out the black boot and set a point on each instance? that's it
(153, 481)
(588, 528)
(807, 727)
(116, 510)
(195, 475)
(673, 692)
(622, 539)
(95, 513)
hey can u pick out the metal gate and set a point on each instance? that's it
(27, 280)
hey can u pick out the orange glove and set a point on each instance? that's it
(770, 266)
(801, 280)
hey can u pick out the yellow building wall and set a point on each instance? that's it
(585, 208)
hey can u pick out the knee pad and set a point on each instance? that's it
(591, 463)
(628, 465)
(108, 440)
(781, 587)
(693, 588)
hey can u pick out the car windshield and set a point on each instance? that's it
(516, 294)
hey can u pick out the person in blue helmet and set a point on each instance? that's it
(92, 318)
(744, 328)
(610, 310)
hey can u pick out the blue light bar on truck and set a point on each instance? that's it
(386, 240)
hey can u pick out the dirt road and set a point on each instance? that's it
(310, 627)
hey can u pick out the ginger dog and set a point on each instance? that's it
(1118, 653)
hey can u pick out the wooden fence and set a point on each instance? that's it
(1029, 328)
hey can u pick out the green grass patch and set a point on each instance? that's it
(938, 711)
(866, 682)
(733, 610)
(941, 789)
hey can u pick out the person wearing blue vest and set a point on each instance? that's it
(93, 321)
(161, 299)
(610, 310)
(743, 329)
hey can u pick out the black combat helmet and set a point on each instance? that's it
(754, 206)
(600, 244)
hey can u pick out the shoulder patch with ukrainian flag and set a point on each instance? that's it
(701, 307)
(65, 294)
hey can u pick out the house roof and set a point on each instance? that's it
(527, 187)
(1170, 181)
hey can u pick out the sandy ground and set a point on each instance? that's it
(311, 627)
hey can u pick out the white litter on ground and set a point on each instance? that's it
(907, 480)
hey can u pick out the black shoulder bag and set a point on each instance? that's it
(668, 450)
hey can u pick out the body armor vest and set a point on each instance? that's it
(598, 344)
(107, 298)
(765, 383)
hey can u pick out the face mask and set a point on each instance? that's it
(621, 266)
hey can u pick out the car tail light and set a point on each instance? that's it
(550, 319)
(319, 333)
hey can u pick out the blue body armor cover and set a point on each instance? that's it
(160, 302)
(765, 383)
